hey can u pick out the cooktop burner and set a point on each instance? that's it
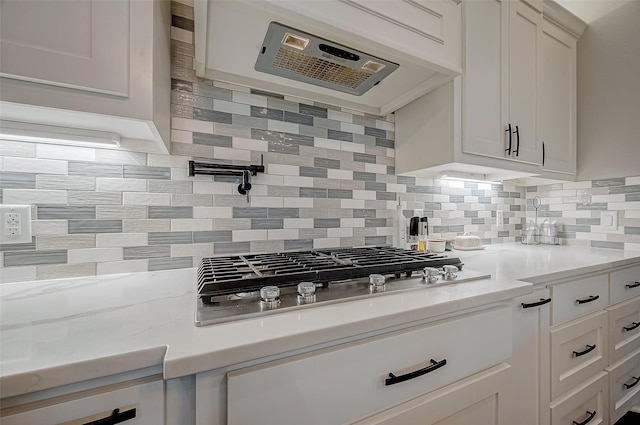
(244, 286)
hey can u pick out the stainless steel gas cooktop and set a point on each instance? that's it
(247, 286)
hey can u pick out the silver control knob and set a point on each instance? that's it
(269, 297)
(450, 272)
(431, 275)
(376, 283)
(306, 292)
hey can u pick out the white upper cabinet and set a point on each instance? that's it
(514, 106)
(499, 84)
(557, 99)
(100, 65)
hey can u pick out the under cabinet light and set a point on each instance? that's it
(468, 177)
(29, 132)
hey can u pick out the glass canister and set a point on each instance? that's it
(531, 234)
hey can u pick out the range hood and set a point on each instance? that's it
(374, 61)
(300, 56)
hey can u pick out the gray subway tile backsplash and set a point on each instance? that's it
(91, 169)
(10, 180)
(312, 110)
(143, 252)
(66, 212)
(334, 152)
(156, 264)
(267, 223)
(32, 258)
(213, 116)
(340, 135)
(170, 212)
(205, 236)
(212, 139)
(170, 238)
(95, 226)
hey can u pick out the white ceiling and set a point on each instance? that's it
(590, 10)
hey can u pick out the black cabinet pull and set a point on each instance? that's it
(589, 349)
(393, 379)
(632, 285)
(539, 303)
(543, 154)
(633, 326)
(517, 132)
(588, 300)
(508, 130)
(586, 421)
(116, 417)
(635, 382)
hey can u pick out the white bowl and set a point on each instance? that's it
(436, 245)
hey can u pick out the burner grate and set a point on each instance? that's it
(248, 273)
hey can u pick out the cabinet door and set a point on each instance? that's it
(530, 361)
(480, 399)
(73, 43)
(557, 99)
(138, 405)
(485, 90)
(342, 384)
(525, 28)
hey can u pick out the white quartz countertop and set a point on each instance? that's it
(63, 331)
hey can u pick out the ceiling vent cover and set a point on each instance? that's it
(296, 55)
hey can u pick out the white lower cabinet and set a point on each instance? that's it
(474, 400)
(586, 404)
(131, 403)
(624, 385)
(356, 380)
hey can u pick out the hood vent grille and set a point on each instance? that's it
(319, 69)
(296, 55)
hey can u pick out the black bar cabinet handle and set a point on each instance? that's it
(539, 303)
(589, 349)
(393, 379)
(632, 285)
(508, 130)
(543, 154)
(635, 382)
(116, 417)
(633, 326)
(517, 141)
(588, 300)
(589, 418)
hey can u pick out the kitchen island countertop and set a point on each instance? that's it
(64, 331)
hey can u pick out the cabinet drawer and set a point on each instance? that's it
(624, 329)
(625, 284)
(579, 297)
(346, 383)
(578, 351)
(589, 400)
(624, 386)
(147, 400)
(479, 399)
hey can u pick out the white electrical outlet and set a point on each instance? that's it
(609, 220)
(499, 218)
(15, 224)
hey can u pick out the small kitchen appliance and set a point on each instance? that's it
(253, 285)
